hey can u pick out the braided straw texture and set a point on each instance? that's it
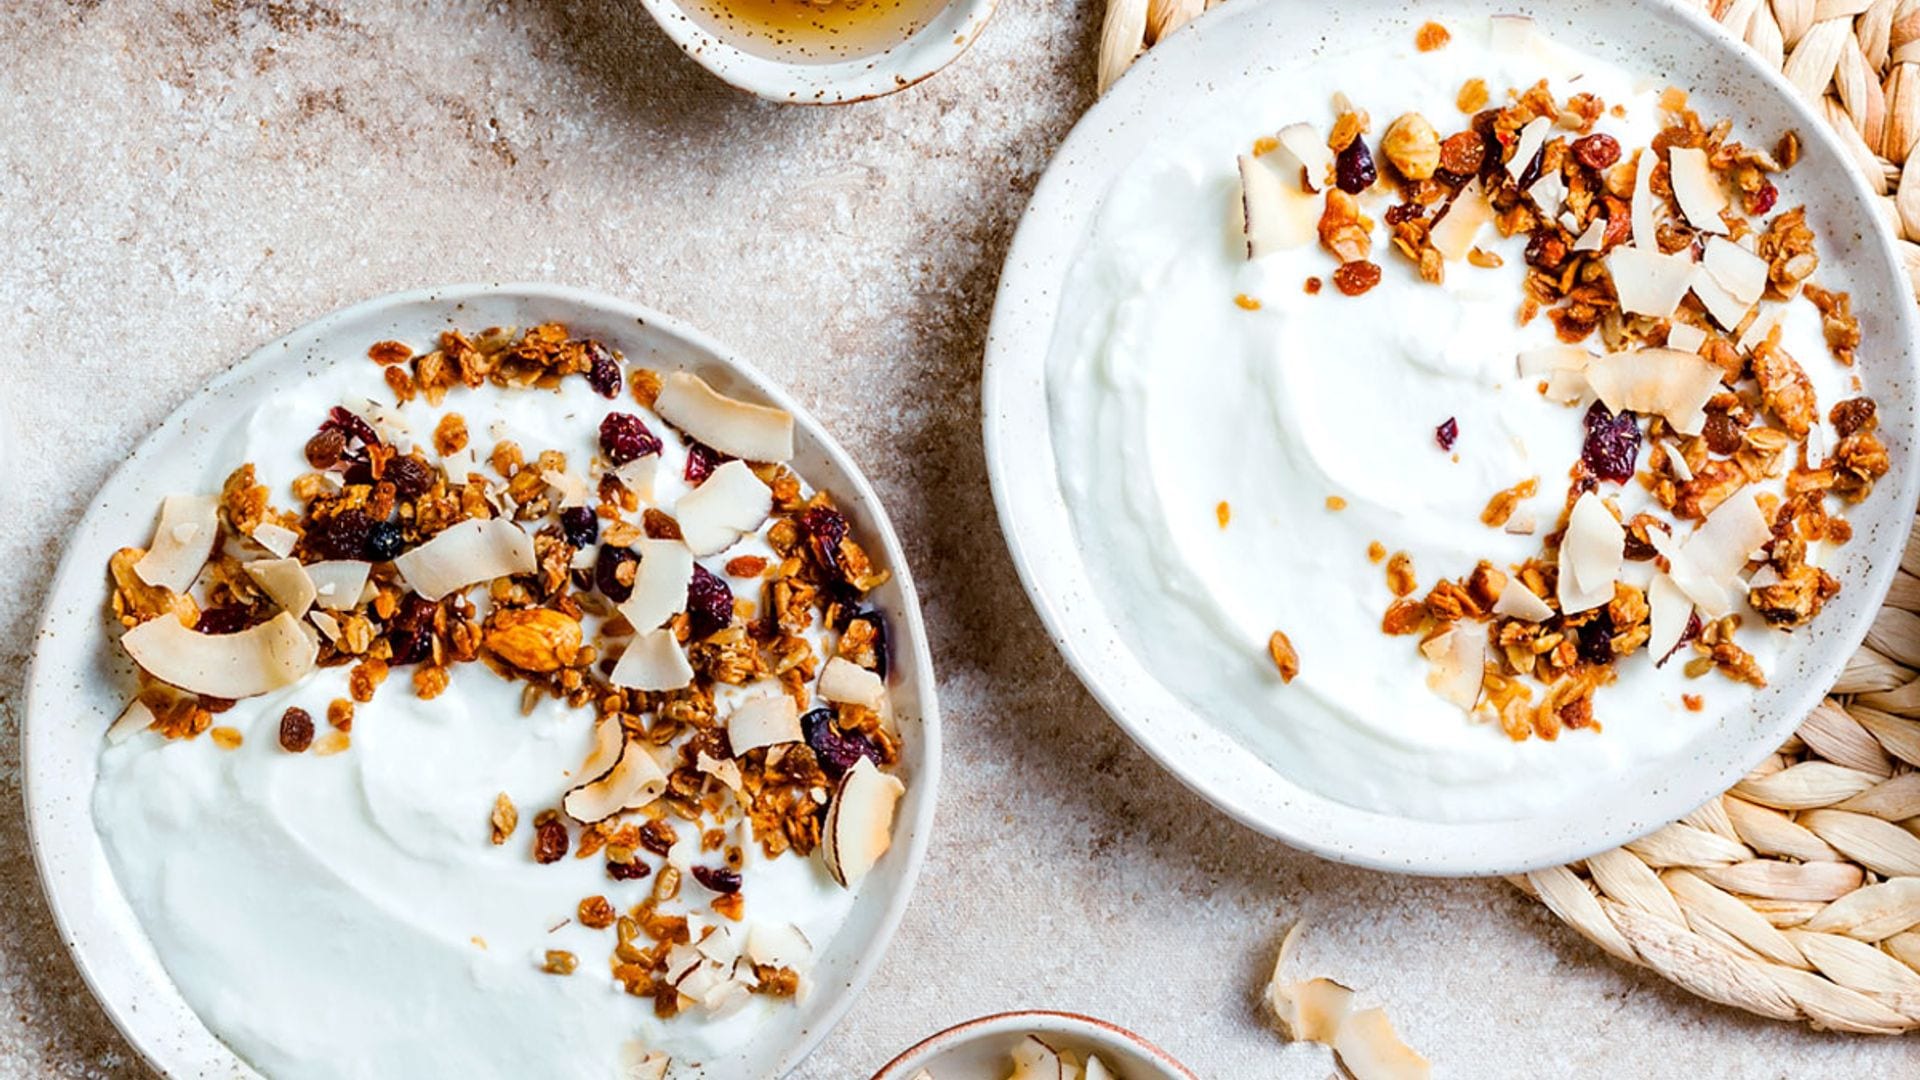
(1796, 895)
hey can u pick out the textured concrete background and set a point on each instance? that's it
(181, 180)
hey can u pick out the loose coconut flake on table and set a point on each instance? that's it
(859, 825)
(1321, 1010)
(653, 661)
(466, 554)
(1591, 554)
(182, 542)
(257, 660)
(733, 427)
(659, 585)
(726, 506)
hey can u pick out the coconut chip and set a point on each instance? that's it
(466, 554)
(1516, 601)
(1593, 237)
(733, 427)
(763, 720)
(639, 1063)
(133, 720)
(659, 584)
(1649, 282)
(1700, 196)
(1274, 217)
(634, 781)
(1454, 233)
(727, 505)
(285, 581)
(1304, 155)
(1641, 204)
(1532, 138)
(277, 539)
(1459, 658)
(859, 825)
(1671, 610)
(1671, 383)
(1686, 337)
(1548, 192)
(844, 681)
(276, 653)
(339, 584)
(1726, 308)
(572, 489)
(1321, 1010)
(726, 771)
(182, 542)
(1591, 554)
(326, 624)
(1763, 324)
(1511, 33)
(1707, 566)
(653, 661)
(1739, 271)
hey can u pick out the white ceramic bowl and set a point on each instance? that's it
(980, 1049)
(79, 683)
(811, 81)
(1210, 61)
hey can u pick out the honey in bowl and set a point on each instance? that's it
(814, 30)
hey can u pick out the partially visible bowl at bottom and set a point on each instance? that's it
(982, 1049)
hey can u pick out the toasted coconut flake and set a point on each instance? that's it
(1459, 659)
(844, 681)
(1726, 309)
(779, 945)
(328, 626)
(1368, 1047)
(859, 826)
(1707, 566)
(133, 720)
(1591, 554)
(609, 739)
(277, 539)
(1593, 237)
(1686, 337)
(763, 720)
(572, 488)
(1671, 609)
(182, 543)
(285, 581)
(639, 1063)
(466, 554)
(1739, 271)
(737, 428)
(1648, 282)
(1519, 602)
(1641, 205)
(660, 583)
(1274, 217)
(277, 653)
(1097, 1069)
(1666, 382)
(1521, 525)
(1563, 368)
(1548, 193)
(1532, 138)
(339, 583)
(1512, 33)
(1700, 196)
(638, 476)
(1033, 1059)
(1453, 235)
(653, 661)
(1677, 461)
(731, 502)
(634, 781)
(1304, 153)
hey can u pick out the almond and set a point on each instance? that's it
(534, 639)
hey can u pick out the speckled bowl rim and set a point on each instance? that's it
(1211, 55)
(840, 82)
(1023, 1021)
(108, 945)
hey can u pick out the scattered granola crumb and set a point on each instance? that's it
(226, 738)
(333, 742)
(1285, 659)
(450, 435)
(340, 714)
(596, 913)
(1313, 286)
(1223, 513)
(1336, 503)
(560, 962)
(1376, 551)
(1432, 36)
(386, 353)
(1472, 97)
(1246, 303)
(1693, 702)
(505, 818)
(1400, 578)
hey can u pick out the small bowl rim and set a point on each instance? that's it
(1059, 1019)
(840, 82)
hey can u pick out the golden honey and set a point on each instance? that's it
(814, 30)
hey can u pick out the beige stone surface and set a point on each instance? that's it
(183, 179)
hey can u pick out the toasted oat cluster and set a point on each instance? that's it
(739, 687)
(1666, 271)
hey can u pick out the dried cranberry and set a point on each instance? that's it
(1353, 171)
(1761, 201)
(341, 536)
(580, 526)
(352, 425)
(384, 542)
(1448, 431)
(224, 619)
(837, 751)
(627, 871)
(719, 880)
(1596, 639)
(882, 652)
(1596, 151)
(1613, 443)
(1401, 213)
(410, 631)
(826, 527)
(701, 461)
(410, 476)
(604, 375)
(606, 572)
(624, 437)
(709, 603)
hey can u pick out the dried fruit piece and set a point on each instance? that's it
(1612, 446)
(836, 750)
(1353, 169)
(720, 880)
(603, 374)
(1447, 432)
(550, 841)
(614, 570)
(1596, 151)
(624, 437)
(296, 730)
(1285, 659)
(709, 603)
(1355, 278)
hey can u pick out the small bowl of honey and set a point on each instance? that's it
(822, 52)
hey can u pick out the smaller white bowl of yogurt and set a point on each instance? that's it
(822, 52)
(989, 1047)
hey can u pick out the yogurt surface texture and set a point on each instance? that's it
(1231, 445)
(348, 915)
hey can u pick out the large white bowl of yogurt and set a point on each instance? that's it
(259, 909)
(1132, 407)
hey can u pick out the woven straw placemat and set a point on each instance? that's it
(1796, 895)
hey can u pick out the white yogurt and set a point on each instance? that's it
(348, 916)
(1168, 399)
